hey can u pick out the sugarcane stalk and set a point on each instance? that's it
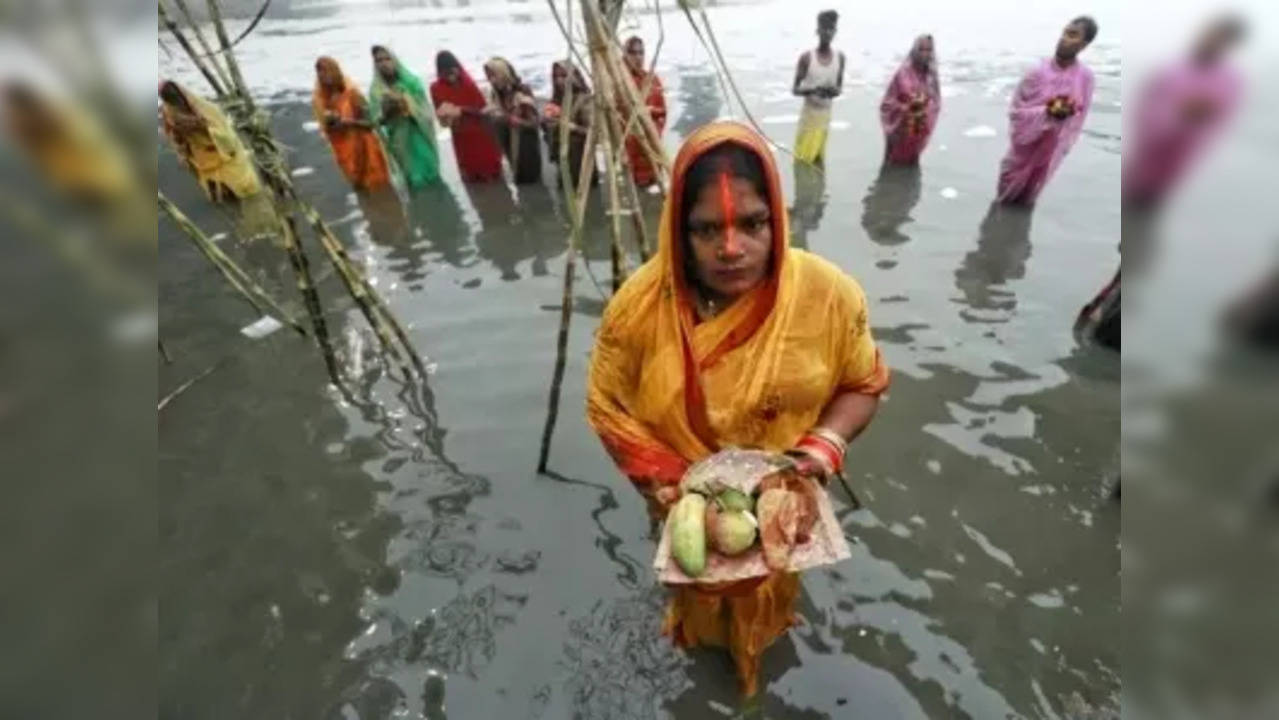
(566, 303)
(306, 286)
(637, 217)
(615, 202)
(358, 287)
(234, 275)
(191, 53)
(215, 14)
(620, 77)
(204, 46)
(397, 329)
(609, 66)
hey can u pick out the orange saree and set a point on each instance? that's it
(358, 150)
(666, 390)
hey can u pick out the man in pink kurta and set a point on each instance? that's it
(1047, 114)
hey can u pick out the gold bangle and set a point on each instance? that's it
(832, 436)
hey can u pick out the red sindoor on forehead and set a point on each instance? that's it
(730, 216)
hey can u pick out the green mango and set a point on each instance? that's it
(731, 499)
(734, 532)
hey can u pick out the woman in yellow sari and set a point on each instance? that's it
(729, 337)
(206, 142)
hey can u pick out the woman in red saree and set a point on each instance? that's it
(645, 82)
(459, 104)
(344, 119)
(730, 337)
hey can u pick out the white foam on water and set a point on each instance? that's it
(303, 171)
(261, 327)
(949, 193)
(980, 131)
(780, 120)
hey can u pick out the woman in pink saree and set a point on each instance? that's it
(1181, 109)
(911, 105)
(1047, 115)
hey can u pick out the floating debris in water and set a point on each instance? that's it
(261, 327)
(949, 193)
(303, 171)
(134, 327)
(933, 466)
(218, 237)
(980, 131)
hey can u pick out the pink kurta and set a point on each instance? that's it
(1180, 110)
(905, 137)
(1039, 141)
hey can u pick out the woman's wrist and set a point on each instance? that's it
(824, 447)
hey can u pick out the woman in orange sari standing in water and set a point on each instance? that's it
(345, 120)
(730, 337)
(641, 167)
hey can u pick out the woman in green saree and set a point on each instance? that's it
(401, 111)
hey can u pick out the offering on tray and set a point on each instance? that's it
(744, 514)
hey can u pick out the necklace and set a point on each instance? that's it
(707, 307)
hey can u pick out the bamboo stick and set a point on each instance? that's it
(234, 275)
(195, 59)
(566, 303)
(215, 14)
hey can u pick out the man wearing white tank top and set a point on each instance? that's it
(819, 77)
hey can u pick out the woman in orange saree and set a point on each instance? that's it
(345, 120)
(729, 337)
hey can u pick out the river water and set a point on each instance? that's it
(395, 554)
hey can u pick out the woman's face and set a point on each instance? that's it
(730, 234)
(498, 82)
(327, 76)
(924, 52)
(635, 56)
(384, 63)
(452, 75)
(559, 76)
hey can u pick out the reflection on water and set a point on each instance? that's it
(810, 203)
(513, 232)
(889, 202)
(435, 212)
(1003, 247)
(699, 94)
